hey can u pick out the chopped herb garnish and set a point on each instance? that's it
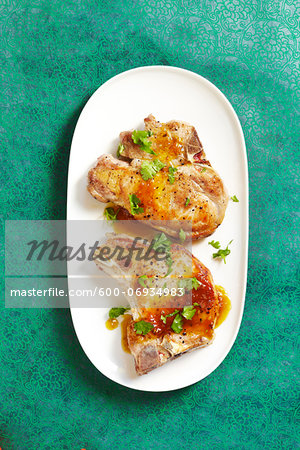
(187, 201)
(203, 169)
(234, 198)
(195, 283)
(169, 262)
(164, 318)
(137, 135)
(215, 244)
(188, 312)
(143, 327)
(142, 280)
(171, 175)
(161, 242)
(182, 235)
(116, 312)
(177, 323)
(120, 150)
(141, 139)
(222, 253)
(134, 204)
(150, 168)
(188, 283)
(110, 213)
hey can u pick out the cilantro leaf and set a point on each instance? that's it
(188, 312)
(182, 235)
(188, 283)
(161, 242)
(222, 253)
(110, 213)
(234, 199)
(134, 204)
(187, 201)
(203, 169)
(137, 135)
(171, 175)
(177, 323)
(116, 312)
(120, 150)
(164, 318)
(195, 283)
(142, 280)
(169, 262)
(143, 327)
(215, 244)
(150, 168)
(141, 139)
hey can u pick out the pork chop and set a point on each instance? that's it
(174, 142)
(184, 187)
(196, 197)
(163, 326)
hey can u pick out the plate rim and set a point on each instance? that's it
(245, 216)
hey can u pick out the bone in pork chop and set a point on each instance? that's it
(176, 142)
(163, 174)
(195, 197)
(195, 313)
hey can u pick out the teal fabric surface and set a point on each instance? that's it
(54, 55)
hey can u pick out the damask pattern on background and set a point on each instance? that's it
(53, 56)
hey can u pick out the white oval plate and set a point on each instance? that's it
(121, 104)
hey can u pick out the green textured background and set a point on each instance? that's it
(53, 55)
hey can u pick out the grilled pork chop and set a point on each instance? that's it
(186, 188)
(195, 312)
